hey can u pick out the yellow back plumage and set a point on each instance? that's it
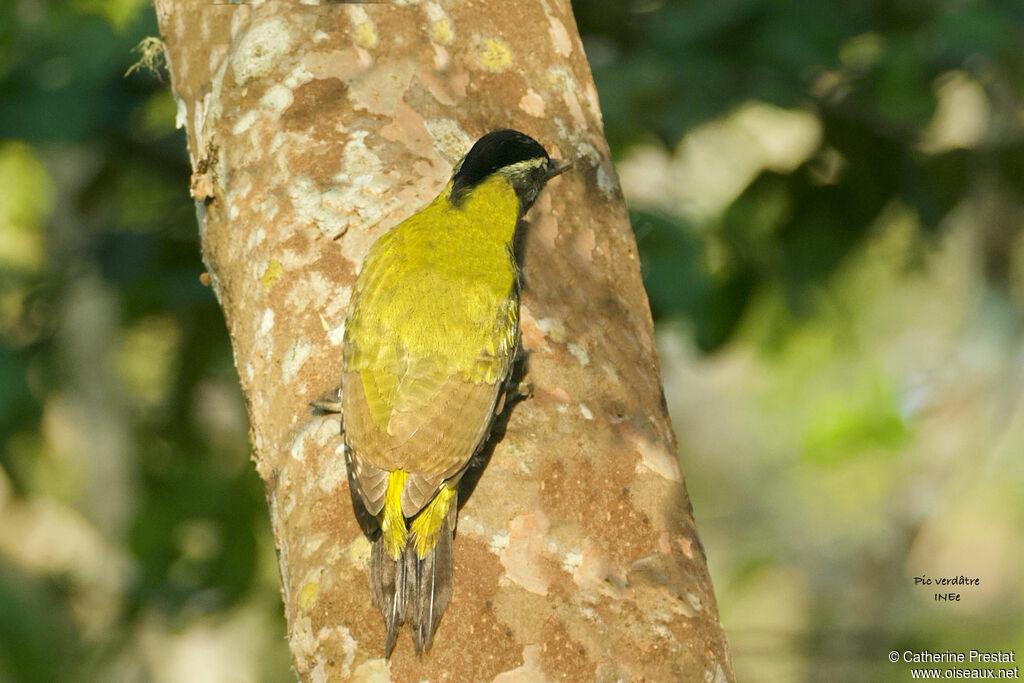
(436, 299)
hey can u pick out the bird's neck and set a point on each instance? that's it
(488, 214)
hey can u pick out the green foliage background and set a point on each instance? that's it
(841, 336)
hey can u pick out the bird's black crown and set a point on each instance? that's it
(501, 149)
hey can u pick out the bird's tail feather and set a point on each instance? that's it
(414, 589)
(387, 588)
(429, 587)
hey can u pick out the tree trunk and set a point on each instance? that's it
(314, 129)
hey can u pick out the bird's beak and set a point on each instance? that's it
(557, 167)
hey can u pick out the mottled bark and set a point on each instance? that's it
(314, 129)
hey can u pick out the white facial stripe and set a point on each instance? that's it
(522, 166)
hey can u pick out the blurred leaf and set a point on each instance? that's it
(155, 117)
(871, 68)
(672, 256)
(863, 419)
(1011, 166)
(37, 639)
(902, 87)
(67, 76)
(172, 573)
(25, 204)
(680, 284)
(13, 389)
(118, 13)
(147, 358)
(935, 185)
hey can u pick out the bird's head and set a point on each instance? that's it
(512, 155)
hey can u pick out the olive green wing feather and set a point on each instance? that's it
(432, 440)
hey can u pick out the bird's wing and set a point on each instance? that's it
(434, 427)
